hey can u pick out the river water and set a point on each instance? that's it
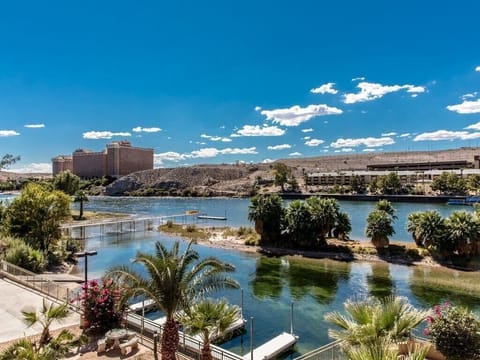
(271, 284)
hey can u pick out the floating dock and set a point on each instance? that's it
(208, 217)
(273, 347)
(234, 329)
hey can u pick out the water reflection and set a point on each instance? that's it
(380, 282)
(317, 279)
(267, 282)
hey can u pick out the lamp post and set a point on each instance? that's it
(85, 254)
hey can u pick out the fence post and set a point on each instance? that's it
(155, 345)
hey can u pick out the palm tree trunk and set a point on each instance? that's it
(170, 339)
(206, 351)
(81, 209)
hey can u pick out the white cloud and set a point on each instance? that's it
(475, 126)
(314, 142)
(267, 161)
(296, 153)
(369, 150)
(306, 138)
(296, 115)
(446, 135)
(307, 130)
(372, 91)
(33, 168)
(469, 95)
(404, 135)
(279, 147)
(347, 149)
(34, 126)
(159, 159)
(325, 89)
(466, 107)
(147, 130)
(95, 135)
(368, 142)
(393, 133)
(7, 133)
(477, 68)
(256, 130)
(361, 78)
(212, 152)
(215, 138)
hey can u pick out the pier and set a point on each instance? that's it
(273, 347)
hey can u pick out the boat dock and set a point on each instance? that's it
(208, 217)
(273, 347)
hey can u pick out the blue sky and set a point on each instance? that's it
(225, 81)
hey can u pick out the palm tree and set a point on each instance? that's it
(173, 281)
(343, 226)
(81, 197)
(384, 349)
(324, 214)
(426, 227)
(209, 319)
(24, 349)
(464, 232)
(371, 320)
(48, 314)
(267, 213)
(379, 228)
(386, 206)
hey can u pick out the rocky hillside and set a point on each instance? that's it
(205, 180)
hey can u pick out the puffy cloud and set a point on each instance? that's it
(466, 107)
(314, 142)
(95, 135)
(368, 142)
(296, 115)
(372, 91)
(361, 78)
(212, 152)
(469, 95)
(147, 130)
(446, 135)
(34, 126)
(279, 147)
(325, 89)
(215, 138)
(33, 168)
(477, 68)
(404, 135)
(369, 150)
(306, 138)
(168, 156)
(475, 126)
(258, 108)
(7, 133)
(296, 153)
(347, 149)
(393, 133)
(307, 130)
(256, 130)
(267, 161)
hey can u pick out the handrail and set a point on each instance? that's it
(330, 351)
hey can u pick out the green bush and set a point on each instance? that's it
(191, 228)
(455, 332)
(26, 257)
(169, 224)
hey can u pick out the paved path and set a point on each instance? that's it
(15, 298)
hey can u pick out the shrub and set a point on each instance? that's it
(25, 256)
(169, 224)
(103, 308)
(191, 228)
(455, 332)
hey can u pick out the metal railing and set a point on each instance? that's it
(331, 351)
(38, 283)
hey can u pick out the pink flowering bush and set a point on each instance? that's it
(455, 332)
(102, 306)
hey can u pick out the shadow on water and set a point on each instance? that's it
(380, 282)
(267, 282)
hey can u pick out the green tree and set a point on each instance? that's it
(358, 185)
(210, 319)
(324, 213)
(390, 184)
(267, 213)
(36, 215)
(427, 228)
(379, 228)
(463, 230)
(343, 226)
(371, 320)
(67, 182)
(473, 183)
(299, 224)
(8, 160)
(173, 280)
(81, 197)
(449, 184)
(281, 174)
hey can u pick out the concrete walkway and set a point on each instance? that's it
(15, 298)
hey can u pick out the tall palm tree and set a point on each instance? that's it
(324, 214)
(379, 228)
(267, 213)
(464, 232)
(81, 197)
(426, 227)
(371, 319)
(386, 206)
(48, 314)
(384, 349)
(209, 319)
(173, 280)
